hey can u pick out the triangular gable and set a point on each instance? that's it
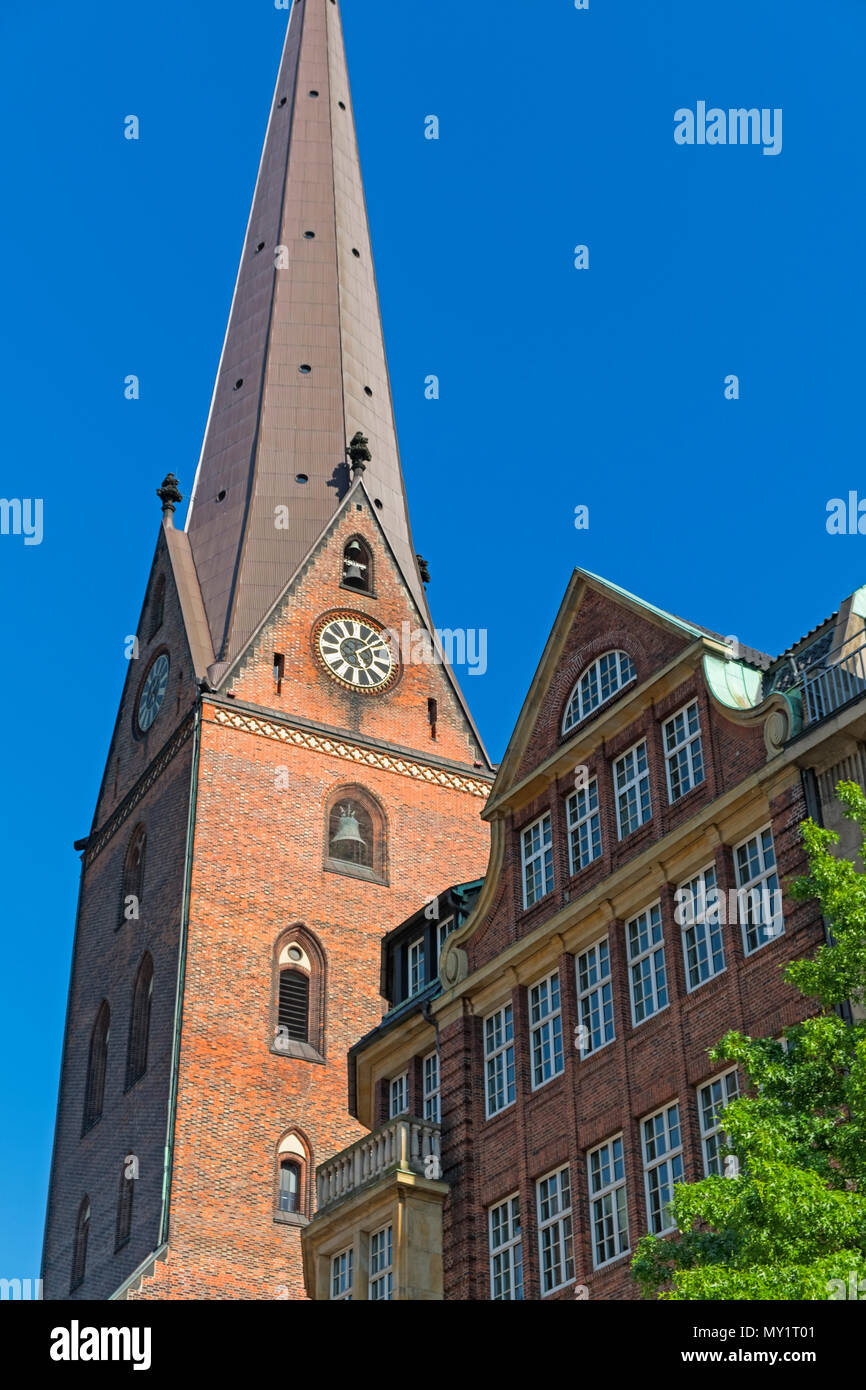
(224, 676)
(595, 616)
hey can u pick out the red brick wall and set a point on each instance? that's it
(660, 1061)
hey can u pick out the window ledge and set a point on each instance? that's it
(290, 1218)
(301, 1051)
(336, 866)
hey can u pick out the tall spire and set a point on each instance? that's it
(303, 367)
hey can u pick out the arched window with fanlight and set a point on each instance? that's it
(97, 1064)
(132, 886)
(79, 1248)
(298, 1022)
(356, 840)
(139, 1022)
(605, 678)
(293, 1195)
(358, 566)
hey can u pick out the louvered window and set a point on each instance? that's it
(294, 1007)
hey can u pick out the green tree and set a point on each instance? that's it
(793, 1220)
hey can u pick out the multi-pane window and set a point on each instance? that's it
(342, 1276)
(79, 1249)
(594, 998)
(632, 787)
(607, 1202)
(712, 1100)
(646, 964)
(139, 1022)
(698, 912)
(416, 967)
(597, 685)
(443, 931)
(684, 756)
(758, 895)
(584, 826)
(663, 1165)
(545, 1030)
(499, 1060)
(382, 1264)
(94, 1093)
(555, 1248)
(399, 1096)
(290, 1185)
(431, 1087)
(506, 1252)
(124, 1205)
(537, 850)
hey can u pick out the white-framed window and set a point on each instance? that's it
(555, 1246)
(537, 851)
(684, 754)
(506, 1251)
(663, 1165)
(545, 1030)
(399, 1096)
(632, 787)
(430, 1065)
(342, 1276)
(648, 977)
(381, 1285)
(608, 1203)
(416, 973)
(584, 826)
(603, 679)
(759, 900)
(594, 998)
(712, 1099)
(443, 931)
(698, 912)
(499, 1060)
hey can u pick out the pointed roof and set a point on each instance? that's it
(303, 366)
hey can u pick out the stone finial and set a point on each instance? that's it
(359, 454)
(169, 494)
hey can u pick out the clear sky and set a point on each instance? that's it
(559, 387)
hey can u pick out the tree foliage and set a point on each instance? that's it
(793, 1220)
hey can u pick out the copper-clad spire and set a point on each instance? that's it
(303, 368)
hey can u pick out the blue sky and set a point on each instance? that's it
(559, 387)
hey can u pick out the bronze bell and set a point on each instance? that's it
(348, 841)
(354, 566)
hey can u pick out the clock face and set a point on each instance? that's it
(354, 651)
(153, 693)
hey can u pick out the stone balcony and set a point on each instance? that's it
(391, 1177)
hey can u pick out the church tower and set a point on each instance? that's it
(289, 777)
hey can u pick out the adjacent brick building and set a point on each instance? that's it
(644, 827)
(282, 774)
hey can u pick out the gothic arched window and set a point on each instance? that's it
(133, 876)
(157, 608)
(293, 1196)
(139, 1022)
(97, 1063)
(79, 1249)
(356, 834)
(598, 684)
(298, 1019)
(124, 1205)
(358, 566)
